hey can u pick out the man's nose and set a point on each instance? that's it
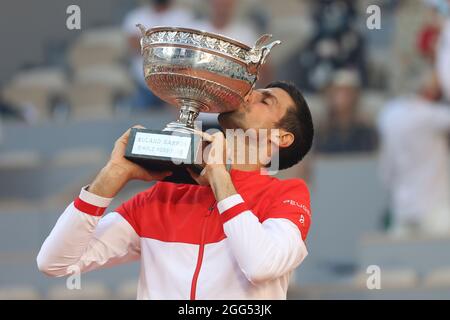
(251, 97)
(248, 97)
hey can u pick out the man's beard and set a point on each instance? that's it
(232, 119)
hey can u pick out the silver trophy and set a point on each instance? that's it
(195, 71)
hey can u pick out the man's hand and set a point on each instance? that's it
(214, 158)
(118, 171)
(215, 171)
(130, 169)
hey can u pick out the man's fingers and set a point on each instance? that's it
(193, 175)
(210, 137)
(124, 137)
(127, 133)
(218, 135)
(198, 178)
(204, 135)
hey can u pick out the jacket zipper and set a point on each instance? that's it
(200, 253)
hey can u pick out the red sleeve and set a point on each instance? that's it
(131, 209)
(293, 203)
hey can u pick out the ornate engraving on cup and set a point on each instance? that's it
(199, 71)
(201, 42)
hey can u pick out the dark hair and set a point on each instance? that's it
(298, 121)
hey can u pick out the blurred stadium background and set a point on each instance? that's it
(66, 95)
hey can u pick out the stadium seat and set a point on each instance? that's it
(422, 253)
(390, 279)
(19, 159)
(19, 293)
(438, 278)
(79, 156)
(95, 88)
(127, 290)
(36, 87)
(88, 291)
(98, 46)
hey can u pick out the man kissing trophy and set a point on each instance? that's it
(195, 71)
(230, 232)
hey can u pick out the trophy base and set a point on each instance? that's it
(166, 151)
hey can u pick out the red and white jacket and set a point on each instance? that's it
(189, 246)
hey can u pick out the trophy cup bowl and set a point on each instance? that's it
(195, 71)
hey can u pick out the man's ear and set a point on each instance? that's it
(283, 139)
(286, 138)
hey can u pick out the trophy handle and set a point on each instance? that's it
(141, 41)
(259, 52)
(142, 28)
(261, 40)
(265, 50)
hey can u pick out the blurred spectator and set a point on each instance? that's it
(344, 130)
(443, 54)
(335, 44)
(404, 59)
(222, 20)
(152, 13)
(428, 36)
(414, 160)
